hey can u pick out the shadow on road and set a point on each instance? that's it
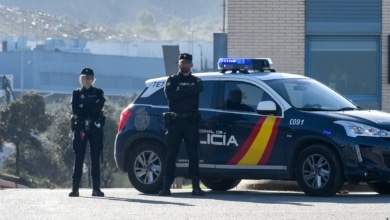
(277, 197)
(296, 198)
(156, 202)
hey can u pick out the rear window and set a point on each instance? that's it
(157, 98)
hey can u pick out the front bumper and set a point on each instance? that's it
(367, 159)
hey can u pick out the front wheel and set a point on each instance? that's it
(220, 184)
(380, 187)
(144, 166)
(319, 171)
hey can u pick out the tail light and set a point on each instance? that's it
(125, 116)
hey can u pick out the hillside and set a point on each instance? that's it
(108, 19)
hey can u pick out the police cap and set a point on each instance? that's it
(87, 72)
(185, 56)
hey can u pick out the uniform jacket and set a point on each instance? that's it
(182, 93)
(92, 100)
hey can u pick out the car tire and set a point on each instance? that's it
(220, 184)
(144, 166)
(380, 187)
(319, 171)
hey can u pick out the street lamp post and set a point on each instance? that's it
(201, 57)
(190, 41)
(22, 57)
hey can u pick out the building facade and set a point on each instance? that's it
(342, 43)
(121, 68)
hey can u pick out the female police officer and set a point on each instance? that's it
(87, 125)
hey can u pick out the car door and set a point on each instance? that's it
(247, 139)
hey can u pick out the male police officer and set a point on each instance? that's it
(87, 125)
(182, 91)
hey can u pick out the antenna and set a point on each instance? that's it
(223, 15)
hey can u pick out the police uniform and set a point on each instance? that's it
(87, 125)
(182, 93)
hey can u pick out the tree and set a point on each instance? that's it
(108, 162)
(48, 158)
(21, 123)
(60, 142)
(175, 31)
(145, 18)
(146, 26)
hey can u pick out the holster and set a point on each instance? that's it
(197, 117)
(167, 119)
(76, 122)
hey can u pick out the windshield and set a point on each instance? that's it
(310, 95)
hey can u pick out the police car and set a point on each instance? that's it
(260, 124)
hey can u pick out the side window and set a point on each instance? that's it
(157, 98)
(240, 96)
(244, 97)
(206, 96)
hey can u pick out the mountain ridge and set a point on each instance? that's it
(111, 12)
(108, 19)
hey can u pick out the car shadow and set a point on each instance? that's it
(135, 200)
(183, 197)
(295, 198)
(283, 197)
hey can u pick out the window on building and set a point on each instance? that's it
(349, 65)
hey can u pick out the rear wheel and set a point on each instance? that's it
(380, 187)
(220, 184)
(319, 171)
(144, 166)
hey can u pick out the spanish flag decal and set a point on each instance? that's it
(257, 148)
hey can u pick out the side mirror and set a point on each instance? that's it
(266, 108)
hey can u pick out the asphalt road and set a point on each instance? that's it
(234, 204)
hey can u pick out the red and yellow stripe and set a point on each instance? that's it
(257, 148)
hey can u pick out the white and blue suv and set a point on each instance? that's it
(260, 124)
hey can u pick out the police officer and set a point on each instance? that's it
(182, 91)
(87, 125)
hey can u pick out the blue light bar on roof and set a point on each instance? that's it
(234, 63)
(260, 64)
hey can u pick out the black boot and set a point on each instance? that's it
(75, 188)
(196, 190)
(165, 190)
(96, 189)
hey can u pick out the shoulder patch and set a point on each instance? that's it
(173, 76)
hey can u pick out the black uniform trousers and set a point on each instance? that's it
(95, 137)
(182, 129)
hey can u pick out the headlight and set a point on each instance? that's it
(354, 129)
